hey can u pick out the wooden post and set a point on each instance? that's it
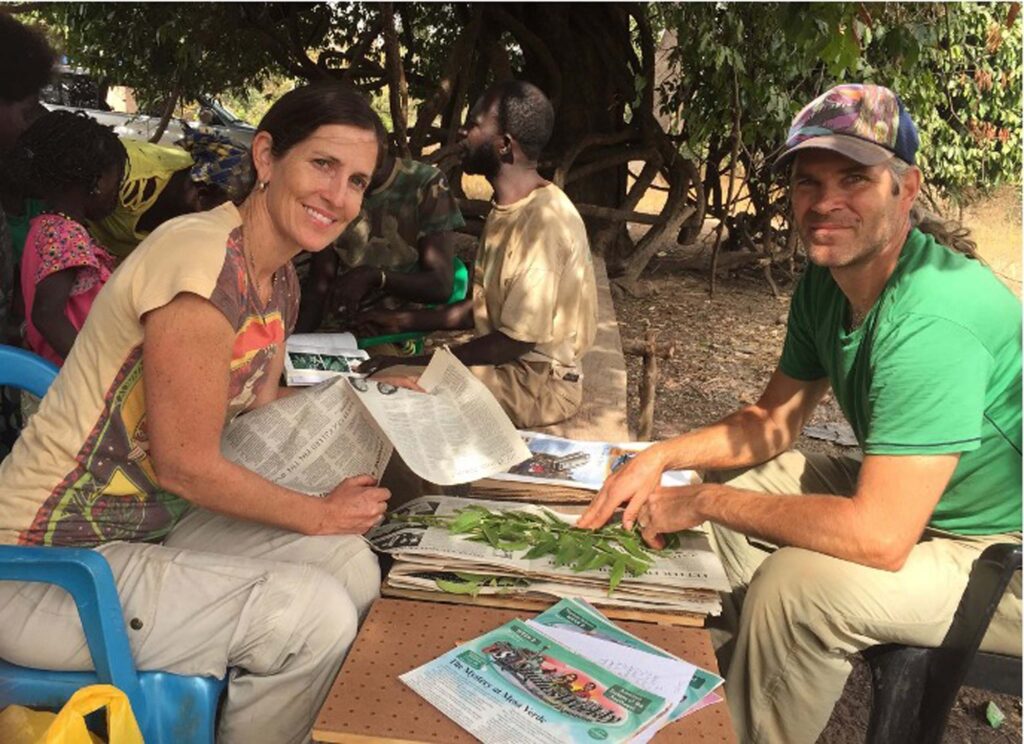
(650, 351)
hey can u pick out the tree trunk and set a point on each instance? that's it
(166, 114)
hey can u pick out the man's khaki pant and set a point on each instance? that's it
(794, 617)
(530, 392)
(277, 608)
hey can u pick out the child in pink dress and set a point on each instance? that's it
(76, 165)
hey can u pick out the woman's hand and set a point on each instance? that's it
(353, 507)
(631, 484)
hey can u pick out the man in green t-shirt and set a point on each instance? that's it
(921, 346)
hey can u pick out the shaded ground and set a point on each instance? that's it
(727, 347)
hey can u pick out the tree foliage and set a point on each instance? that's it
(735, 75)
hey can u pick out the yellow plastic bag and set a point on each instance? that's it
(20, 725)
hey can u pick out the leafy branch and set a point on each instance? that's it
(621, 551)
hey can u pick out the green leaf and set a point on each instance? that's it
(993, 715)
(471, 588)
(618, 571)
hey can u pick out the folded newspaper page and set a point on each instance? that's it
(517, 685)
(685, 578)
(311, 358)
(456, 433)
(579, 617)
(582, 464)
(310, 441)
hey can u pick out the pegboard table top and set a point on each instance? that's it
(368, 703)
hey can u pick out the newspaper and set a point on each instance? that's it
(312, 440)
(517, 685)
(556, 461)
(685, 578)
(311, 358)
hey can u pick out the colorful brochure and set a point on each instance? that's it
(517, 685)
(576, 615)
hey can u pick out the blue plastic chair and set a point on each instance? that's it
(170, 708)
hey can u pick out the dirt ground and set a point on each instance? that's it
(725, 350)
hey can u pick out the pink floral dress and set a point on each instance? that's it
(57, 243)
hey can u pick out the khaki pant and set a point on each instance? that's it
(794, 616)
(530, 392)
(276, 608)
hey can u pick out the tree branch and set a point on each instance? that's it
(591, 140)
(612, 159)
(527, 38)
(398, 91)
(457, 64)
(356, 55)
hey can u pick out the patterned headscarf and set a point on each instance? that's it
(866, 123)
(219, 161)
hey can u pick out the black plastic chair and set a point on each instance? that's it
(914, 688)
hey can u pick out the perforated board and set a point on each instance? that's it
(367, 702)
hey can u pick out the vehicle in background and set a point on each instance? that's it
(76, 90)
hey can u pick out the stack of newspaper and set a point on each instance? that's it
(684, 578)
(569, 675)
(566, 470)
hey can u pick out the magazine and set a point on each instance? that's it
(310, 441)
(575, 616)
(517, 685)
(311, 358)
(570, 467)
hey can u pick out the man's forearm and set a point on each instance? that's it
(746, 437)
(833, 525)
(419, 286)
(457, 317)
(493, 349)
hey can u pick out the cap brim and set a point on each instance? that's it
(863, 152)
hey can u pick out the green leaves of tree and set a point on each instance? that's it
(543, 534)
(957, 67)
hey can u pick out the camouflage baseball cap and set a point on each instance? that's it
(866, 123)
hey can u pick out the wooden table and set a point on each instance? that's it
(368, 703)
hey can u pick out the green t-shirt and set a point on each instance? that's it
(935, 368)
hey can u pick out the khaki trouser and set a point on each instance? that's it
(794, 616)
(277, 608)
(530, 392)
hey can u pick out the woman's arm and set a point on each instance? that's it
(186, 358)
(48, 311)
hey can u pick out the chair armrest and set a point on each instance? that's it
(990, 576)
(86, 576)
(25, 370)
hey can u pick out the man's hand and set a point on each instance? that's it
(668, 510)
(632, 484)
(375, 364)
(353, 286)
(377, 323)
(353, 507)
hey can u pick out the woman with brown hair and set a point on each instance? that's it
(217, 567)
